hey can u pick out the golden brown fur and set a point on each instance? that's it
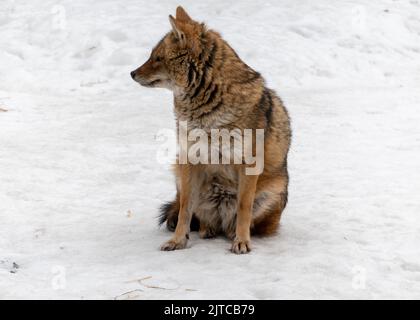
(213, 89)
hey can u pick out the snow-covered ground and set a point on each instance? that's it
(80, 186)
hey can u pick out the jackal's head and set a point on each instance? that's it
(170, 60)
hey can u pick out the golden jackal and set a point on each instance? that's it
(214, 89)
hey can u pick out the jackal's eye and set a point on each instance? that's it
(158, 59)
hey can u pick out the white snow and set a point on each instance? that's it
(80, 186)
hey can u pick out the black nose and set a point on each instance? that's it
(133, 74)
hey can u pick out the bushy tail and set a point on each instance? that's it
(169, 213)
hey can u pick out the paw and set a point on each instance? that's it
(241, 246)
(174, 244)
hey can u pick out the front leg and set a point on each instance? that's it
(180, 237)
(246, 194)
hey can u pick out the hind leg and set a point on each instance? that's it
(267, 223)
(206, 231)
(269, 206)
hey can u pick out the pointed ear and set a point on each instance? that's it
(181, 15)
(179, 34)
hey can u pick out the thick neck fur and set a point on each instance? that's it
(218, 82)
